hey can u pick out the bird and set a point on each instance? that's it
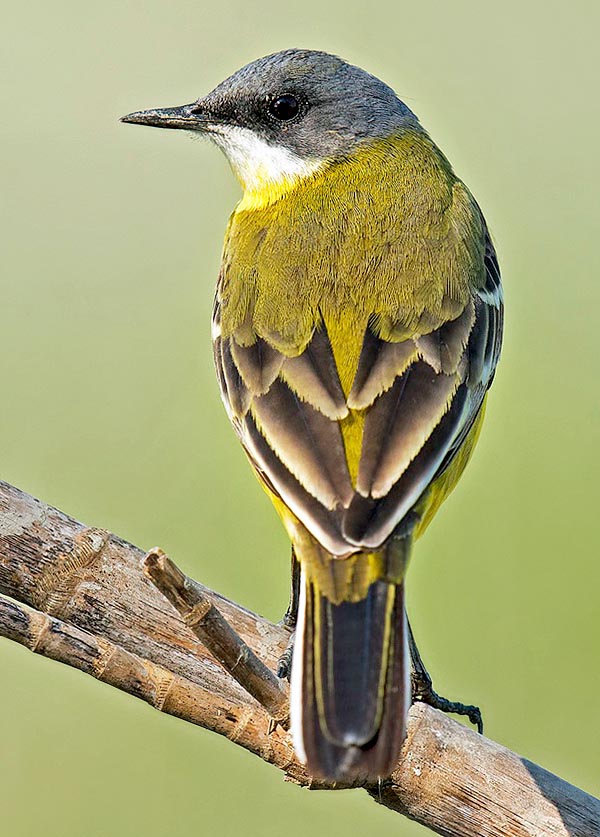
(357, 325)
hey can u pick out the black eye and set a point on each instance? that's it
(284, 107)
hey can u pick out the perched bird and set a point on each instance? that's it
(357, 326)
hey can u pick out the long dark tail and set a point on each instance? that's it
(350, 682)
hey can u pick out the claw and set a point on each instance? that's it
(284, 664)
(422, 690)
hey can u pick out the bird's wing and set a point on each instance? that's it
(419, 414)
(413, 402)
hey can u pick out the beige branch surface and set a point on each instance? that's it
(79, 596)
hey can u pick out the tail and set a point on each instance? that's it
(350, 677)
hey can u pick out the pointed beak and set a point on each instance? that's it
(192, 117)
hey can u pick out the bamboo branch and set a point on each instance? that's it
(78, 595)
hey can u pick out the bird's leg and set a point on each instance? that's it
(290, 617)
(422, 689)
(284, 664)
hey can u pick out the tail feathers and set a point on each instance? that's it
(350, 684)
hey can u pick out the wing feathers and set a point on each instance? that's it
(307, 442)
(492, 289)
(368, 521)
(399, 423)
(430, 349)
(413, 400)
(258, 364)
(378, 367)
(321, 388)
(454, 336)
(238, 396)
(324, 524)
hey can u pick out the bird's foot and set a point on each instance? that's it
(290, 617)
(284, 664)
(422, 690)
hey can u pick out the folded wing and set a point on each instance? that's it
(415, 401)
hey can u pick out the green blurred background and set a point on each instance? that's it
(111, 240)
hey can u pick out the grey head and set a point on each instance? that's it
(310, 104)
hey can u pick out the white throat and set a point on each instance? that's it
(259, 165)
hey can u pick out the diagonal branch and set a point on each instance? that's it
(212, 629)
(79, 596)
